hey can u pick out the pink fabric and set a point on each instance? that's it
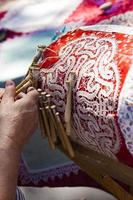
(88, 12)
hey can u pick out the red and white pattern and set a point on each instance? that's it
(101, 60)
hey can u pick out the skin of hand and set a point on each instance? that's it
(1, 92)
(18, 119)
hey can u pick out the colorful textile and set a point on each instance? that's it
(101, 57)
(22, 29)
(89, 12)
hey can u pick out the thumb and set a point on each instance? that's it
(2, 90)
(9, 93)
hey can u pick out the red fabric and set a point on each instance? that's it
(123, 62)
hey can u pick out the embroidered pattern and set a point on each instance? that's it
(34, 178)
(125, 111)
(95, 91)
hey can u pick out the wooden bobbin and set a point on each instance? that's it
(65, 138)
(68, 108)
(53, 109)
(62, 134)
(24, 87)
(51, 124)
(45, 119)
(37, 57)
(34, 73)
(48, 97)
(41, 123)
(27, 78)
(46, 124)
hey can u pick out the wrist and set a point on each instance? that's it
(8, 145)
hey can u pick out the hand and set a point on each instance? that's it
(18, 119)
(1, 93)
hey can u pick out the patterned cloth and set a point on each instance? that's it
(22, 30)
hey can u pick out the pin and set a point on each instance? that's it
(106, 6)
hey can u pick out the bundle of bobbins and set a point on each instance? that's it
(50, 123)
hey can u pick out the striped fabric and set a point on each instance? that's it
(19, 194)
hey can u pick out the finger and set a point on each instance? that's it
(30, 89)
(20, 96)
(2, 90)
(32, 95)
(29, 100)
(9, 94)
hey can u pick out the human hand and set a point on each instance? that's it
(18, 119)
(1, 93)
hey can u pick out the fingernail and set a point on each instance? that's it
(9, 83)
(30, 89)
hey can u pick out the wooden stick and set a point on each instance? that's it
(42, 46)
(53, 107)
(48, 97)
(43, 96)
(41, 123)
(41, 120)
(27, 78)
(35, 75)
(98, 174)
(37, 57)
(51, 122)
(68, 109)
(68, 145)
(26, 85)
(102, 178)
(53, 111)
(45, 119)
